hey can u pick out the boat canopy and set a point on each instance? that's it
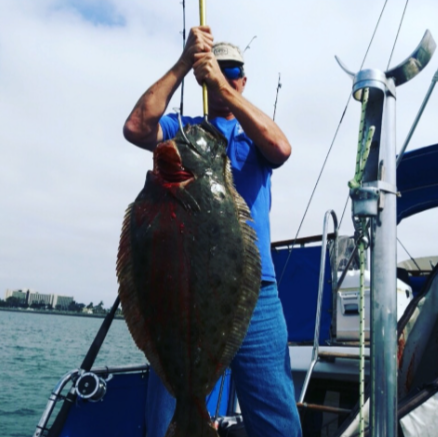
(417, 182)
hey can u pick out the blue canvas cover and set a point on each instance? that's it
(121, 412)
(417, 182)
(298, 291)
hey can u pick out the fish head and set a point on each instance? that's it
(200, 149)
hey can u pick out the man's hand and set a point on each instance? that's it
(200, 40)
(207, 70)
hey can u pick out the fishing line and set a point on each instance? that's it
(330, 148)
(398, 32)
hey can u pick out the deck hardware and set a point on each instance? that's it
(91, 387)
(365, 201)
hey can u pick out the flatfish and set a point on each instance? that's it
(189, 271)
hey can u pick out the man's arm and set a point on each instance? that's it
(142, 127)
(262, 130)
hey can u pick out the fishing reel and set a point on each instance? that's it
(90, 387)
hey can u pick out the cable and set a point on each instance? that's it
(396, 37)
(410, 256)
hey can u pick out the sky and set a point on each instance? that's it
(72, 70)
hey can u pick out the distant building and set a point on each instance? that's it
(38, 298)
(29, 297)
(62, 301)
(19, 294)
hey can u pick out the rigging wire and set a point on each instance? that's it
(181, 106)
(330, 149)
(398, 32)
(374, 34)
(410, 256)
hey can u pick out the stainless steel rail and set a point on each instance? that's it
(71, 376)
(315, 350)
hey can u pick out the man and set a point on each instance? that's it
(256, 145)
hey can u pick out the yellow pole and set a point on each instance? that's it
(202, 16)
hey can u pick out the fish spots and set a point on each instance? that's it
(225, 309)
(218, 190)
(205, 305)
(215, 280)
(193, 335)
(203, 145)
(214, 230)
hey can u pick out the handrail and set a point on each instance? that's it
(315, 350)
(302, 241)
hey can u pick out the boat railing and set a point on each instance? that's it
(72, 377)
(315, 350)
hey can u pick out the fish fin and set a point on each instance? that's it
(138, 215)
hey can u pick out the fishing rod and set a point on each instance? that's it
(276, 97)
(203, 20)
(181, 106)
(87, 364)
(248, 45)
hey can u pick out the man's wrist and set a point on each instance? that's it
(183, 66)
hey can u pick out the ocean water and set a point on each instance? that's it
(36, 350)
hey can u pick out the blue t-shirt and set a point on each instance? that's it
(251, 173)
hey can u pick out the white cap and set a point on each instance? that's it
(225, 51)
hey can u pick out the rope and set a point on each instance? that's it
(362, 240)
(362, 151)
(362, 336)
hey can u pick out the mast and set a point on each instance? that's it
(375, 198)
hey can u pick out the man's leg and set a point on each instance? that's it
(160, 406)
(262, 373)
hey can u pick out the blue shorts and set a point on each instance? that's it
(262, 376)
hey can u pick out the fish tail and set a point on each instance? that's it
(191, 419)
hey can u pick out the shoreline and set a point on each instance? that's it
(58, 313)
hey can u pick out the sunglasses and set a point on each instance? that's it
(235, 72)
